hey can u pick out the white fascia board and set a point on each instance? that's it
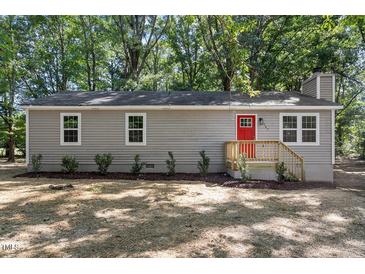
(141, 107)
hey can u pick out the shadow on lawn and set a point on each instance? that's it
(148, 222)
(146, 219)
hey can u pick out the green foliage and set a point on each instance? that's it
(171, 164)
(186, 42)
(362, 146)
(283, 175)
(281, 171)
(103, 162)
(41, 55)
(203, 164)
(3, 138)
(36, 162)
(137, 165)
(350, 124)
(243, 167)
(19, 133)
(220, 36)
(291, 178)
(69, 164)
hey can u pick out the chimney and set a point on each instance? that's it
(320, 85)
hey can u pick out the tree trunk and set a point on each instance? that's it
(227, 83)
(6, 150)
(94, 69)
(11, 145)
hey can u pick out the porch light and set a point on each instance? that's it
(261, 121)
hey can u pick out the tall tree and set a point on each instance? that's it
(53, 59)
(93, 51)
(138, 35)
(220, 37)
(188, 50)
(46, 54)
(88, 32)
(12, 34)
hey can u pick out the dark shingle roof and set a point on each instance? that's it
(177, 98)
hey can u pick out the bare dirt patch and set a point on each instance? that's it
(350, 174)
(140, 218)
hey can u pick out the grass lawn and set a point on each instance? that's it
(109, 218)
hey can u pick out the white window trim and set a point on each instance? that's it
(144, 115)
(63, 114)
(299, 128)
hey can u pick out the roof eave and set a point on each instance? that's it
(182, 107)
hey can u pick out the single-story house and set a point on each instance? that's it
(296, 128)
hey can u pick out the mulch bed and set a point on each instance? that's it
(278, 186)
(219, 178)
(222, 179)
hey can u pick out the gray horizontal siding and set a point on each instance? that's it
(183, 132)
(320, 154)
(326, 88)
(310, 87)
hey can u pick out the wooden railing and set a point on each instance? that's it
(268, 151)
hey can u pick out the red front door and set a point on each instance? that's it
(246, 130)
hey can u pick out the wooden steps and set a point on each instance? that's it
(265, 152)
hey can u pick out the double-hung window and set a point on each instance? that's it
(135, 129)
(299, 128)
(70, 128)
(309, 129)
(290, 129)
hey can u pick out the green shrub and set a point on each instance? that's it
(283, 175)
(69, 164)
(171, 164)
(137, 165)
(243, 167)
(103, 162)
(291, 178)
(280, 171)
(36, 162)
(203, 164)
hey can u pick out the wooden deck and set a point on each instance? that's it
(260, 152)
